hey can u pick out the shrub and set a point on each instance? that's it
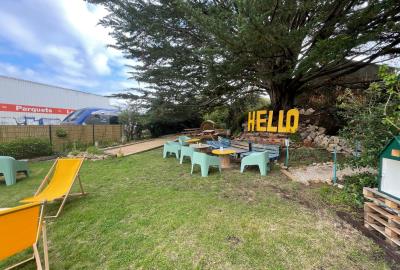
(61, 133)
(26, 148)
(353, 186)
(372, 119)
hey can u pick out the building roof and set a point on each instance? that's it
(39, 83)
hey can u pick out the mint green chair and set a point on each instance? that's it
(260, 159)
(205, 161)
(171, 148)
(186, 151)
(9, 168)
(182, 140)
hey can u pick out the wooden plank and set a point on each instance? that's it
(380, 210)
(380, 194)
(379, 219)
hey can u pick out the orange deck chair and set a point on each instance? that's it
(59, 181)
(20, 229)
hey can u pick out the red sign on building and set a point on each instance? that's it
(33, 109)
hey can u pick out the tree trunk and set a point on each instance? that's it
(281, 98)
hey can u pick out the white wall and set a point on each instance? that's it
(20, 92)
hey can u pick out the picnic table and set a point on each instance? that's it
(201, 147)
(193, 140)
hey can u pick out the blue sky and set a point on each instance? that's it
(59, 42)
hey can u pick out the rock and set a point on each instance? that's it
(309, 111)
(312, 128)
(303, 135)
(312, 135)
(307, 142)
(318, 139)
(325, 142)
(335, 139)
(321, 130)
(331, 147)
(301, 111)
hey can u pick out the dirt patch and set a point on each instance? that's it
(233, 240)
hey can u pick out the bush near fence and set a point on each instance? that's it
(26, 148)
(73, 136)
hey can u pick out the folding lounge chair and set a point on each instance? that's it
(60, 179)
(20, 229)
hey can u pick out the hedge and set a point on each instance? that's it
(26, 148)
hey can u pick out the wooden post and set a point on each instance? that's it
(50, 138)
(93, 134)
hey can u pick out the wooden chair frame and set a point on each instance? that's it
(63, 198)
(36, 256)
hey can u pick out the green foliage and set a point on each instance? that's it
(134, 122)
(61, 133)
(337, 197)
(307, 155)
(233, 115)
(352, 193)
(166, 116)
(208, 52)
(26, 148)
(353, 186)
(372, 119)
(74, 152)
(219, 116)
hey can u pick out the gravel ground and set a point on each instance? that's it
(322, 172)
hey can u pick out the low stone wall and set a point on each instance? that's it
(314, 135)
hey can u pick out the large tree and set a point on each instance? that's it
(208, 51)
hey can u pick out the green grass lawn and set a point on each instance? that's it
(145, 212)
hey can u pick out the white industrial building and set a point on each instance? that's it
(30, 103)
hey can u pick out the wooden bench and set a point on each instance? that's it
(239, 146)
(273, 150)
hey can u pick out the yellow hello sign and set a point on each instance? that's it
(259, 121)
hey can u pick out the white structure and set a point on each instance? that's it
(31, 103)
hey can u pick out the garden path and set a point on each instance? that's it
(139, 147)
(321, 172)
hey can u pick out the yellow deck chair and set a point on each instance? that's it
(20, 229)
(59, 181)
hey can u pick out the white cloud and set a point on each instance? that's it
(68, 41)
(100, 63)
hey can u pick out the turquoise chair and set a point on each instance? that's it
(171, 148)
(9, 168)
(182, 140)
(186, 151)
(205, 161)
(260, 159)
